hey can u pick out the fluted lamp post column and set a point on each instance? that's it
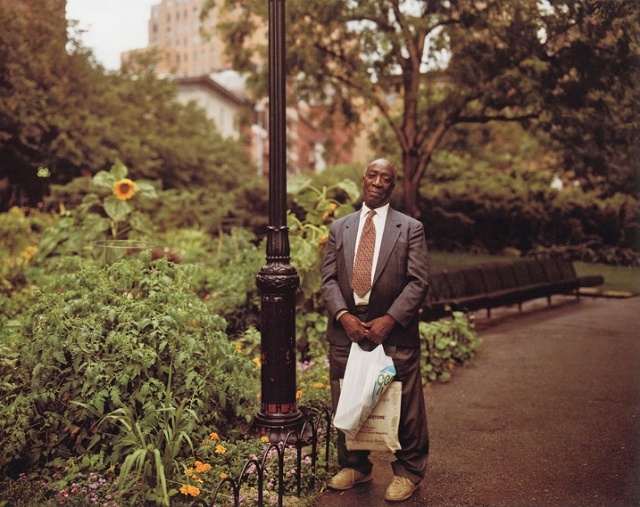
(278, 280)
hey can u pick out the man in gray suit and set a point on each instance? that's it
(381, 309)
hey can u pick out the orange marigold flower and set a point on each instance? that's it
(214, 436)
(223, 475)
(238, 347)
(319, 385)
(264, 438)
(298, 394)
(202, 467)
(220, 449)
(186, 489)
(28, 252)
(124, 189)
(257, 362)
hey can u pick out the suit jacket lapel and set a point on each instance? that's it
(349, 240)
(389, 239)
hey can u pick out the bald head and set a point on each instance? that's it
(379, 180)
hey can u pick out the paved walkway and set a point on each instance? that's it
(548, 414)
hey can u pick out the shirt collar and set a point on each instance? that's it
(381, 211)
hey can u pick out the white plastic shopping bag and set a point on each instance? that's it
(366, 377)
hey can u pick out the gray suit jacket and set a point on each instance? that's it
(400, 282)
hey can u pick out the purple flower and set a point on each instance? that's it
(305, 365)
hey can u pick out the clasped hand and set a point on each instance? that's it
(375, 330)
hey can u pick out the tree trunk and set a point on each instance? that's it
(415, 162)
(410, 164)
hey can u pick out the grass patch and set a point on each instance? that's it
(616, 278)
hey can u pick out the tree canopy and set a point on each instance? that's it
(62, 116)
(427, 66)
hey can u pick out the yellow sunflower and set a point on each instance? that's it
(124, 189)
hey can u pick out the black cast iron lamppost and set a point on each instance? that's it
(278, 280)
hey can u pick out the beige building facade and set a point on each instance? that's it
(184, 45)
(221, 105)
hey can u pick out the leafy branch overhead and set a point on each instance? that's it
(425, 67)
(64, 116)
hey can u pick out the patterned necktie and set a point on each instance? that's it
(361, 281)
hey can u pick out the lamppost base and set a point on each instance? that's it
(277, 426)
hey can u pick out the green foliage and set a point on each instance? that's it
(219, 460)
(106, 214)
(64, 116)
(425, 67)
(447, 343)
(151, 445)
(116, 204)
(211, 209)
(315, 209)
(309, 230)
(311, 329)
(518, 209)
(129, 365)
(226, 274)
(312, 366)
(593, 105)
(115, 338)
(314, 388)
(19, 235)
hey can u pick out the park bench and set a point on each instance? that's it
(488, 286)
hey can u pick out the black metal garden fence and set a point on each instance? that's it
(305, 446)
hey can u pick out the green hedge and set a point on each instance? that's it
(472, 209)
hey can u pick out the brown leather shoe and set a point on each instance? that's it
(347, 478)
(400, 489)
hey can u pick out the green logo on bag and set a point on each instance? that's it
(385, 377)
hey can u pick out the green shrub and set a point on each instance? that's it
(468, 206)
(226, 276)
(447, 343)
(130, 337)
(309, 225)
(312, 371)
(108, 212)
